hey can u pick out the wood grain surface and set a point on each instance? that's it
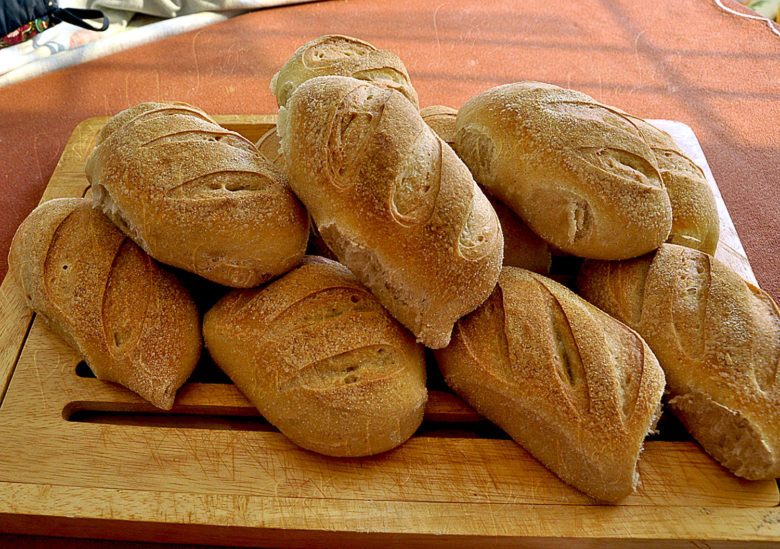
(84, 458)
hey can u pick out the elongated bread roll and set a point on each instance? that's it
(268, 145)
(579, 173)
(322, 360)
(131, 321)
(718, 340)
(393, 202)
(196, 196)
(695, 221)
(522, 248)
(441, 119)
(573, 386)
(338, 55)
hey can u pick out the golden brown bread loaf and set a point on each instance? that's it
(441, 119)
(131, 321)
(695, 221)
(718, 341)
(322, 360)
(393, 202)
(570, 384)
(195, 195)
(339, 55)
(268, 145)
(522, 248)
(579, 173)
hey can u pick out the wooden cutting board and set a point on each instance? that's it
(83, 458)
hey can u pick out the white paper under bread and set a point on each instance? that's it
(729, 250)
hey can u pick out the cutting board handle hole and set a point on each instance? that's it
(145, 415)
(82, 370)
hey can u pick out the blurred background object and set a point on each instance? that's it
(41, 48)
(767, 8)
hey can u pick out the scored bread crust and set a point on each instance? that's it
(393, 202)
(321, 360)
(195, 195)
(573, 386)
(339, 55)
(717, 338)
(132, 322)
(695, 221)
(270, 147)
(579, 173)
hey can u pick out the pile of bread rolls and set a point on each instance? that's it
(331, 351)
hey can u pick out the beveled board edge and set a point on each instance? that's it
(299, 522)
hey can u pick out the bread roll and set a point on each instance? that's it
(718, 340)
(522, 248)
(132, 322)
(338, 55)
(322, 360)
(441, 119)
(695, 221)
(196, 196)
(570, 384)
(268, 145)
(579, 173)
(393, 202)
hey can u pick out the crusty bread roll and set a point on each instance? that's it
(522, 248)
(718, 340)
(393, 202)
(131, 321)
(321, 360)
(570, 384)
(579, 173)
(196, 196)
(269, 147)
(695, 221)
(338, 55)
(441, 119)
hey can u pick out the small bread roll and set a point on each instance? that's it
(393, 202)
(573, 386)
(269, 147)
(196, 196)
(717, 338)
(321, 360)
(522, 248)
(131, 321)
(579, 173)
(441, 119)
(695, 221)
(339, 55)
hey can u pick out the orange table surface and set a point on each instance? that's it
(687, 61)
